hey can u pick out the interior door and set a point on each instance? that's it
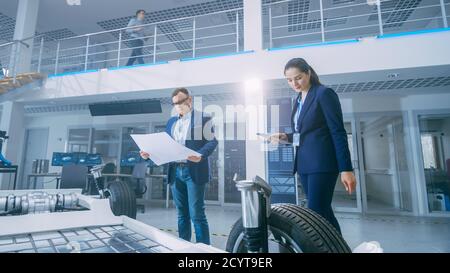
(384, 169)
(36, 141)
(342, 201)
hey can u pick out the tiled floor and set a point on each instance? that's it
(394, 233)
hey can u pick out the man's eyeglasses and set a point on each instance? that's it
(180, 102)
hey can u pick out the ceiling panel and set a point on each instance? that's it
(7, 25)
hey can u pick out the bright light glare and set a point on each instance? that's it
(253, 86)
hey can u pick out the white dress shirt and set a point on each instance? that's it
(180, 130)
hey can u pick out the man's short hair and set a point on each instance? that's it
(180, 90)
(139, 11)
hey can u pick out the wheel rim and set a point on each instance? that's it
(107, 195)
(285, 242)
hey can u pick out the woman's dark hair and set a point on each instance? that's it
(139, 11)
(304, 67)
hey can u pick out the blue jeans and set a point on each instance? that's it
(136, 53)
(189, 199)
(319, 189)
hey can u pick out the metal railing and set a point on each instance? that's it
(6, 51)
(10, 58)
(162, 41)
(291, 22)
(446, 12)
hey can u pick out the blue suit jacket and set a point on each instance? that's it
(198, 142)
(323, 139)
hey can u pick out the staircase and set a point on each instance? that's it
(8, 83)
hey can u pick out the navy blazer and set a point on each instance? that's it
(323, 139)
(199, 171)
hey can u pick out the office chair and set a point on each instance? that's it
(73, 177)
(110, 168)
(138, 174)
(126, 169)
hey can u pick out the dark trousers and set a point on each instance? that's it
(189, 199)
(136, 54)
(319, 189)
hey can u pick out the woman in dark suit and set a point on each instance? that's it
(319, 139)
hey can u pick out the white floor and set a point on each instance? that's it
(394, 233)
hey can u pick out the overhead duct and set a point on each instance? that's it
(134, 107)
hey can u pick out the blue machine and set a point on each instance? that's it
(88, 159)
(132, 158)
(61, 159)
(93, 159)
(3, 161)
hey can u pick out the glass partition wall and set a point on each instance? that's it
(435, 148)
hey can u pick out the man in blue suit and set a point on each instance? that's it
(188, 178)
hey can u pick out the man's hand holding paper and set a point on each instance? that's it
(162, 149)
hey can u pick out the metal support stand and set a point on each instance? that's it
(256, 209)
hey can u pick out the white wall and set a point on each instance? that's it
(426, 102)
